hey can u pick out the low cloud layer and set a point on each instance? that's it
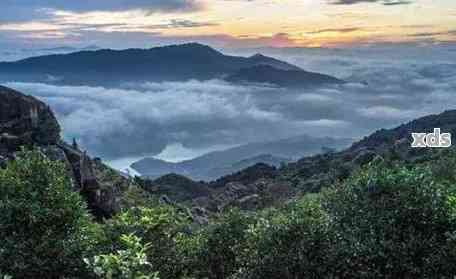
(383, 2)
(145, 119)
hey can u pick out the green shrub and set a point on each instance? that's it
(45, 230)
(444, 167)
(159, 226)
(391, 222)
(222, 247)
(291, 243)
(129, 263)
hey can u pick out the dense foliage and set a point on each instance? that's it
(45, 230)
(159, 228)
(292, 243)
(388, 220)
(392, 222)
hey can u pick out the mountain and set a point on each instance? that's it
(108, 67)
(216, 164)
(261, 185)
(264, 73)
(205, 171)
(26, 121)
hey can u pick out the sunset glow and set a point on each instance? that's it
(238, 23)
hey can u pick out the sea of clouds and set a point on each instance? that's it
(387, 86)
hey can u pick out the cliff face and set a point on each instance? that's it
(26, 121)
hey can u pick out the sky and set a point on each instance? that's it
(225, 23)
(396, 55)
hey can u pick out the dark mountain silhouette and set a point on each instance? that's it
(114, 67)
(265, 73)
(216, 164)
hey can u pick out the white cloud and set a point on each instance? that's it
(385, 112)
(153, 118)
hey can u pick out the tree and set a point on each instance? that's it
(45, 229)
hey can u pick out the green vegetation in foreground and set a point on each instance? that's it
(388, 220)
(45, 229)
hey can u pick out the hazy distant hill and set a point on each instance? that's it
(215, 164)
(198, 170)
(113, 67)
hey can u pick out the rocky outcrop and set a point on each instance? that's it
(26, 121)
(100, 185)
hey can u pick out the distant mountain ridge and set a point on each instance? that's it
(107, 67)
(197, 170)
(219, 163)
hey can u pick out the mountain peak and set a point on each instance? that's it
(193, 46)
(257, 56)
(196, 45)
